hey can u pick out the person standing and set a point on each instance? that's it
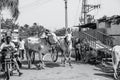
(8, 43)
(77, 49)
(21, 48)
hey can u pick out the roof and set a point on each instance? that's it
(89, 25)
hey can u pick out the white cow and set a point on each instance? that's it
(116, 59)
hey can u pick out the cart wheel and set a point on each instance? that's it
(54, 55)
(11, 73)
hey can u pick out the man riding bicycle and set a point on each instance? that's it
(8, 43)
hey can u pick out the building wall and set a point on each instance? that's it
(115, 31)
(112, 29)
(117, 40)
(101, 25)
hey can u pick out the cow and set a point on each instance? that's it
(66, 46)
(38, 45)
(116, 59)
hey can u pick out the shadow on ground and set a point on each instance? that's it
(105, 71)
(82, 62)
(109, 76)
(3, 76)
(52, 64)
(48, 64)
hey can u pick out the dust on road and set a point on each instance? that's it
(54, 71)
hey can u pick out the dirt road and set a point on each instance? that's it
(54, 71)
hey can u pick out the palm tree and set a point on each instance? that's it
(12, 5)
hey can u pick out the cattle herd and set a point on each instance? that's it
(66, 46)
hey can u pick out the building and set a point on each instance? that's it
(111, 30)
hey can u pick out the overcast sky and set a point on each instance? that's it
(50, 13)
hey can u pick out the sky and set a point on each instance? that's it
(51, 13)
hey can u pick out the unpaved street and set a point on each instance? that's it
(54, 71)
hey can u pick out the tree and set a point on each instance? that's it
(26, 31)
(60, 32)
(26, 26)
(36, 30)
(12, 5)
(9, 24)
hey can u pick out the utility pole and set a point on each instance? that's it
(66, 16)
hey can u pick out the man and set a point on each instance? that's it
(77, 49)
(68, 36)
(47, 34)
(54, 37)
(8, 43)
(85, 49)
(21, 48)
